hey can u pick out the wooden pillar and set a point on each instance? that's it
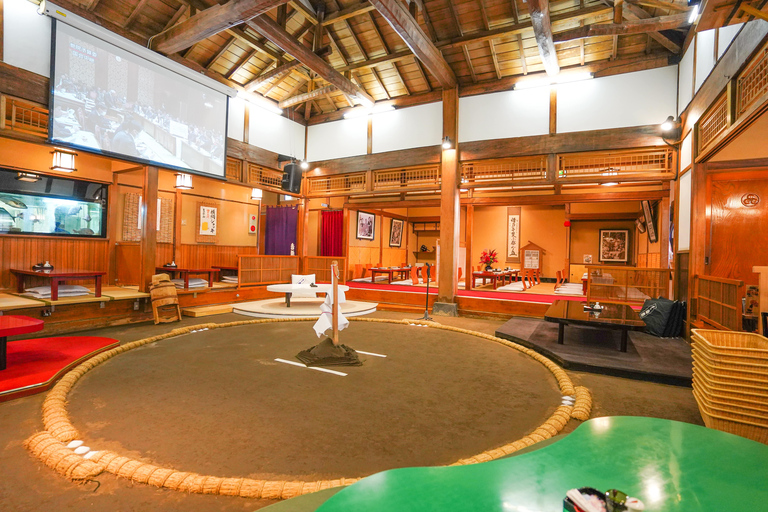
(302, 235)
(468, 279)
(567, 268)
(763, 299)
(246, 135)
(148, 243)
(177, 228)
(449, 203)
(664, 232)
(112, 223)
(698, 241)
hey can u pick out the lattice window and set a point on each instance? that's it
(234, 169)
(611, 166)
(714, 122)
(23, 116)
(411, 177)
(504, 172)
(259, 175)
(752, 83)
(336, 185)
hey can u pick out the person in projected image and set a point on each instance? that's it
(124, 140)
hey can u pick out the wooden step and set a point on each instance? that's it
(198, 311)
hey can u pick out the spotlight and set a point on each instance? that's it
(304, 165)
(447, 144)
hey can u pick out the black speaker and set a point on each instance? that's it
(291, 181)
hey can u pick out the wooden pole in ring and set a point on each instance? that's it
(335, 302)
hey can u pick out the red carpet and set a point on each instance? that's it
(480, 294)
(35, 365)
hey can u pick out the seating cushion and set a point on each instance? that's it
(298, 280)
(65, 290)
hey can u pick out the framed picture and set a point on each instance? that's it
(396, 233)
(614, 245)
(513, 234)
(587, 259)
(650, 222)
(207, 223)
(366, 222)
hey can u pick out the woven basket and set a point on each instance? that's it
(736, 362)
(733, 343)
(714, 419)
(732, 412)
(716, 366)
(739, 392)
(741, 404)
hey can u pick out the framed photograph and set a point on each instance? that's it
(366, 222)
(614, 245)
(650, 221)
(587, 259)
(396, 233)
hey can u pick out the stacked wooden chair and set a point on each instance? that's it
(165, 301)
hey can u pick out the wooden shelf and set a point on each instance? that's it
(424, 253)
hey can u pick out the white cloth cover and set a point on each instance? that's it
(193, 283)
(65, 290)
(325, 321)
(368, 279)
(300, 281)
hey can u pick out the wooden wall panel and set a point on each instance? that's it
(393, 256)
(63, 253)
(126, 269)
(206, 256)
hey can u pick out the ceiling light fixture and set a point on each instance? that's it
(63, 160)
(447, 144)
(609, 184)
(543, 80)
(304, 165)
(28, 177)
(184, 181)
(695, 8)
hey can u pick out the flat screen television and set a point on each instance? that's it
(107, 100)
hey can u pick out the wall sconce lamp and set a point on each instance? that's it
(184, 181)
(63, 160)
(671, 129)
(304, 165)
(447, 144)
(28, 177)
(256, 194)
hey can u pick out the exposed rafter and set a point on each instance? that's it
(634, 12)
(630, 27)
(409, 30)
(542, 31)
(275, 33)
(209, 22)
(266, 77)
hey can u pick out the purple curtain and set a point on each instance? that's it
(281, 230)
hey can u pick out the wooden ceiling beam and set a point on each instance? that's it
(422, 73)
(305, 10)
(378, 81)
(307, 96)
(276, 84)
(209, 22)
(272, 31)
(255, 43)
(618, 8)
(521, 49)
(542, 31)
(659, 4)
(266, 77)
(224, 49)
(630, 27)
(400, 78)
(134, 14)
(240, 63)
(634, 12)
(176, 17)
(348, 12)
(409, 30)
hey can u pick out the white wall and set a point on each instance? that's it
(339, 139)
(275, 133)
(504, 114)
(686, 151)
(406, 128)
(725, 37)
(685, 80)
(630, 99)
(26, 37)
(705, 55)
(684, 218)
(236, 119)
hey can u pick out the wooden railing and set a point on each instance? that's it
(414, 178)
(506, 171)
(626, 285)
(256, 270)
(321, 267)
(752, 82)
(649, 163)
(717, 302)
(264, 176)
(234, 169)
(23, 116)
(340, 184)
(714, 122)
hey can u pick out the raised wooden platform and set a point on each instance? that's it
(200, 311)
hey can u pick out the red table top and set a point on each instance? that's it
(59, 273)
(11, 325)
(190, 270)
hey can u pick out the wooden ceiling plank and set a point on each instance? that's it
(240, 63)
(305, 11)
(136, 11)
(378, 61)
(428, 22)
(495, 58)
(515, 12)
(263, 78)
(469, 64)
(254, 43)
(336, 46)
(455, 18)
(277, 83)
(352, 33)
(542, 31)
(644, 26)
(224, 49)
(348, 12)
(423, 73)
(521, 49)
(267, 27)
(92, 5)
(333, 103)
(659, 4)
(176, 17)
(401, 79)
(581, 45)
(209, 22)
(409, 30)
(381, 85)
(379, 36)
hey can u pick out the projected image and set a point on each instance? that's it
(109, 100)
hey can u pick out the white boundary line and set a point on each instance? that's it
(370, 353)
(294, 363)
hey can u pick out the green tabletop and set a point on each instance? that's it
(670, 466)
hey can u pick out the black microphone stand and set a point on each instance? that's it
(426, 302)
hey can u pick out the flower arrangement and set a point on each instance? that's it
(489, 257)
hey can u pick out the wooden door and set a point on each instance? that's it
(737, 224)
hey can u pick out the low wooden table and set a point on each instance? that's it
(185, 272)
(619, 317)
(495, 276)
(389, 271)
(58, 277)
(12, 325)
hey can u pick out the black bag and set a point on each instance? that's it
(662, 317)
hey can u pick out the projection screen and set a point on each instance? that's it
(110, 101)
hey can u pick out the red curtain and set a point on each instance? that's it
(331, 233)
